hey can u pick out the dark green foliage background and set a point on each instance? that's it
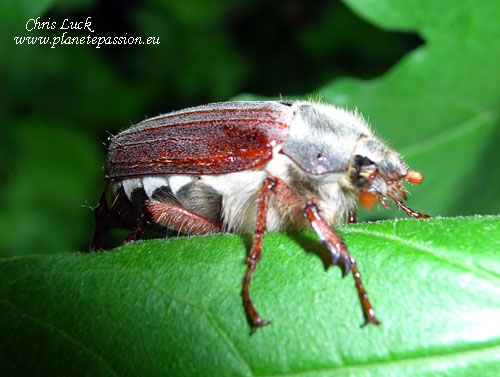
(426, 75)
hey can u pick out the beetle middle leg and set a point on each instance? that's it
(256, 252)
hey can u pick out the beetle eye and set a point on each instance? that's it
(357, 163)
(360, 161)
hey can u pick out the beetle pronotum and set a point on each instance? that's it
(251, 167)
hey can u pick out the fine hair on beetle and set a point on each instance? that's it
(251, 166)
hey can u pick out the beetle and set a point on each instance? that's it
(251, 166)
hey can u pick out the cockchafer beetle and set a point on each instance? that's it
(251, 167)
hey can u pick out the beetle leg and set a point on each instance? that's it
(351, 217)
(407, 209)
(175, 217)
(340, 254)
(256, 252)
(103, 223)
(288, 201)
(136, 232)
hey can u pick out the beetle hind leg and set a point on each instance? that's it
(103, 224)
(137, 231)
(175, 217)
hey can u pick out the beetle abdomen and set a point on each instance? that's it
(126, 198)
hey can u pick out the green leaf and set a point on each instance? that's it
(173, 307)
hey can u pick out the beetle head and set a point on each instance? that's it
(378, 172)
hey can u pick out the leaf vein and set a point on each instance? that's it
(62, 333)
(420, 359)
(467, 267)
(209, 316)
(224, 336)
(481, 120)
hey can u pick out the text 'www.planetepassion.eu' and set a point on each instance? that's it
(66, 26)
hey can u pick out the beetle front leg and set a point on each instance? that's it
(408, 210)
(340, 255)
(351, 217)
(256, 252)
